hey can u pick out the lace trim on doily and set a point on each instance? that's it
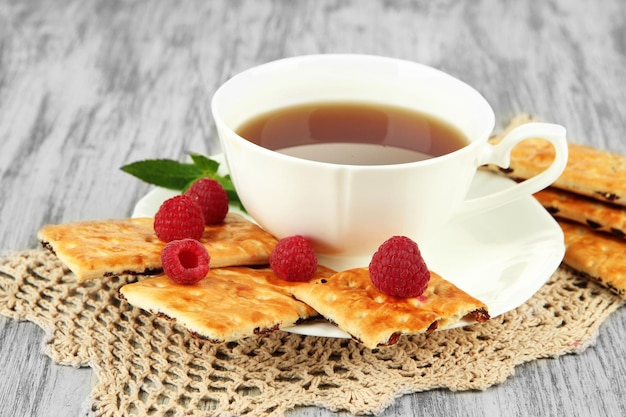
(148, 366)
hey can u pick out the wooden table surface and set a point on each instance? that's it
(87, 86)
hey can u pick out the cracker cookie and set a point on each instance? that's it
(229, 304)
(349, 300)
(591, 172)
(601, 217)
(94, 249)
(598, 256)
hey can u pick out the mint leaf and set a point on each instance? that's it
(208, 166)
(164, 173)
(179, 176)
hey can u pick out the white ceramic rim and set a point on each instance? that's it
(476, 140)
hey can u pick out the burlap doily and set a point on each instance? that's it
(146, 365)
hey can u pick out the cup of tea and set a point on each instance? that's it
(349, 150)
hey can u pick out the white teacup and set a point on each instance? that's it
(348, 210)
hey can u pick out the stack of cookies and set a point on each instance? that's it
(242, 296)
(588, 201)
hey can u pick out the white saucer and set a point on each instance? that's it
(502, 257)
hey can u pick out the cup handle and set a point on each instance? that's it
(500, 154)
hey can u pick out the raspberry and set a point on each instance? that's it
(397, 268)
(186, 261)
(179, 217)
(211, 197)
(293, 259)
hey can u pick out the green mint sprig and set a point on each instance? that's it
(179, 176)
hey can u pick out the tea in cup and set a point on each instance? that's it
(349, 150)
